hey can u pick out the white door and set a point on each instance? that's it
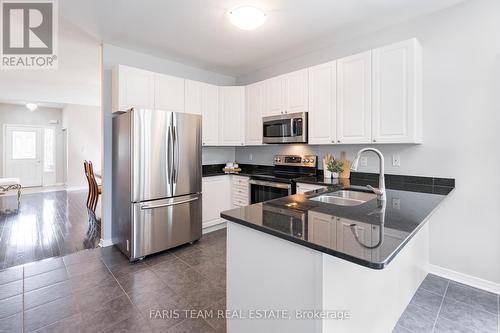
(169, 93)
(210, 110)
(276, 88)
(296, 92)
(23, 154)
(231, 115)
(323, 103)
(192, 100)
(396, 107)
(256, 104)
(354, 99)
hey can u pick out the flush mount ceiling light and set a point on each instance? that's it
(247, 17)
(31, 106)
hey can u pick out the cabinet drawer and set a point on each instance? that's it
(240, 180)
(240, 189)
(240, 202)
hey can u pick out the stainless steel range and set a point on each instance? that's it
(280, 183)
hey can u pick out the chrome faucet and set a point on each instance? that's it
(380, 191)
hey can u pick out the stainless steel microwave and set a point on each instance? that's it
(285, 128)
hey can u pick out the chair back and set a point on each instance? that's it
(93, 193)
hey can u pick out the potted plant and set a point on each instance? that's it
(333, 167)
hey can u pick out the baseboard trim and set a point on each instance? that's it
(465, 279)
(105, 242)
(214, 227)
(76, 188)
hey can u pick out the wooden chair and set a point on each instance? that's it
(94, 189)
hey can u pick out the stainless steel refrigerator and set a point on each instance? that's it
(156, 181)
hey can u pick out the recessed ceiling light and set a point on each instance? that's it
(247, 17)
(31, 106)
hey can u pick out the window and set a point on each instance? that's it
(23, 145)
(49, 143)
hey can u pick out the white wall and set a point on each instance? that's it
(113, 55)
(461, 78)
(76, 81)
(83, 126)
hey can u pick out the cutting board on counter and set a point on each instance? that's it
(346, 164)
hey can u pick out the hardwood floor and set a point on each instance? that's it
(45, 225)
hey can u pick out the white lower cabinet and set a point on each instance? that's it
(322, 229)
(302, 187)
(216, 199)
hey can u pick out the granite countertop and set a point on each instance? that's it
(370, 234)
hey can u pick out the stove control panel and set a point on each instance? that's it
(296, 160)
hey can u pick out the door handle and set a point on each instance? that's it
(175, 160)
(146, 207)
(170, 154)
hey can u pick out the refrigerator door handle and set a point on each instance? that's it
(175, 160)
(170, 155)
(145, 207)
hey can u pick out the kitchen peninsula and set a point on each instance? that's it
(356, 265)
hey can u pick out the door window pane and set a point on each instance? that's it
(48, 158)
(23, 145)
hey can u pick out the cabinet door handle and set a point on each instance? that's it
(338, 141)
(374, 140)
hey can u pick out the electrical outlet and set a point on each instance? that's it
(363, 161)
(396, 160)
(396, 203)
(250, 157)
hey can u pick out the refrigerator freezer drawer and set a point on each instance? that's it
(159, 225)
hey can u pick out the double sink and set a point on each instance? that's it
(345, 198)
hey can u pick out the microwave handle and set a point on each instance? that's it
(292, 127)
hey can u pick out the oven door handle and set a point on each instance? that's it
(270, 184)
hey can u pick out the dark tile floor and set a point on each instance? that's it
(98, 290)
(45, 225)
(444, 306)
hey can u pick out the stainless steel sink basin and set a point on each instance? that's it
(345, 198)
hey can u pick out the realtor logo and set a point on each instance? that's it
(29, 34)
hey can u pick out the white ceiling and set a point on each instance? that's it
(196, 32)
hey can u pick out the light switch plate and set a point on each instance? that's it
(364, 161)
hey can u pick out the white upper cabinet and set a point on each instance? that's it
(354, 98)
(231, 116)
(287, 93)
(323, 103)
(396, 93)
(192, 100)
(276, 91)
(255, 108)
(169, 93)
(210, 113)
(296, 91)
(132, 87)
